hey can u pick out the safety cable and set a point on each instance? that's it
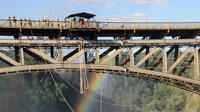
(64, 99)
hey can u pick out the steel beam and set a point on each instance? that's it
(182, 82)
(164, 55)
(191, 59)
(196, 63)
(160, 60)
(17, 52)
(75, 56)
(132, 61)
(147, 61)
(146, 57)
(97, 60)
(8, 60)
(52, 51)
(179, 59)
(21, 51)
(41, 55)
(176, 53)
(104, 53)
(135, 54)
(70, 54)
(99, 43)
(117, 60)
(60, 54)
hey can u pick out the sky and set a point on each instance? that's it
(112, 10)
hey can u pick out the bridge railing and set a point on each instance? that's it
(150, 25)
(45, 24)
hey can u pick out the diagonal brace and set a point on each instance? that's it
(146, 57)
(8, 60)
(42, 55)
(180, 58)
(75, 56)
(107, 58)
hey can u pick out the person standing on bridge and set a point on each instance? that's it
(106, 22)
(30, 22)
(21, 22)
(39, 23)
(9, 21)
(58, 23)
(15, 20)
(25, 22)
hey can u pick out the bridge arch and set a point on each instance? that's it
(178, 81)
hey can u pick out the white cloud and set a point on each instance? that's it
(111, 3)
(146, 2)
(135, 17)
(107, 3)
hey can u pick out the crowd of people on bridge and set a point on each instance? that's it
(22, 22)
(29, 23)
(47, 23)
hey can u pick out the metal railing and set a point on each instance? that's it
(44, 24)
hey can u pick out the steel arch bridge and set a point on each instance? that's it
(181, 82)
(153, 57)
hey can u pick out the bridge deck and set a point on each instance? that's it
(46, 28)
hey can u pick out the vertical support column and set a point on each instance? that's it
(147, 61)
(175, 57)
(97, 56)
(196, 62)
(132, 61)
(117, 60)
(60, 55)
(52, 49)
(86, 56)
(21, 52)
(17, 53)
(164, 53)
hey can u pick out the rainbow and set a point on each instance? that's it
(85, 103)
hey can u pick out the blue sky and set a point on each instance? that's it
(114, 10)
